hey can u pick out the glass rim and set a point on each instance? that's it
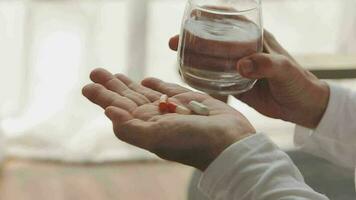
(258, 6)
(226, 12)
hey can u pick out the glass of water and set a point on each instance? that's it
(215, 35)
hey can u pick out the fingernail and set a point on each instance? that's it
(247, 66)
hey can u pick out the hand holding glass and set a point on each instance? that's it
(215, 35)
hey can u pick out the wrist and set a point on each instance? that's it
(321, 93)
(220, 148)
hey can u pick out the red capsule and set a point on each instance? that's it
(163, 105)
(171, 107)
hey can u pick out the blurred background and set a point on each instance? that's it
(54, 143)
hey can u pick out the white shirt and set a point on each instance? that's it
(255, 168)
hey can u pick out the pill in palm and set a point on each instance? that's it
(183, 110)
(199, 108)
(174, 108)
(163, 103)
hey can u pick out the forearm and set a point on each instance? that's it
(255, 168)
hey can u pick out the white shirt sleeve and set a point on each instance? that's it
(255, 169)
(335, 137)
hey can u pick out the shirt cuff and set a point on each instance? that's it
(329, 123)
(225, 162)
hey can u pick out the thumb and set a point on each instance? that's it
(130, 130)
(272, 67)
(139, 133)
(117, 115)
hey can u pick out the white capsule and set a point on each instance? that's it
(183, 110)
(163, 99)
(199, 108)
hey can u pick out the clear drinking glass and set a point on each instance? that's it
(215, 34)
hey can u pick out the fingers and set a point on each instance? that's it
(103, 97)
(163, 87)
(173, 43)
(272, 67)
(108, 80)
(147, 92)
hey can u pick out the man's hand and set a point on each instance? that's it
(189, 139)
(285, 90)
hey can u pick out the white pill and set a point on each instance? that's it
(183, 110)
(163, 99)
(199, 108)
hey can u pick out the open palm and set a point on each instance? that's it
(189, 139)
